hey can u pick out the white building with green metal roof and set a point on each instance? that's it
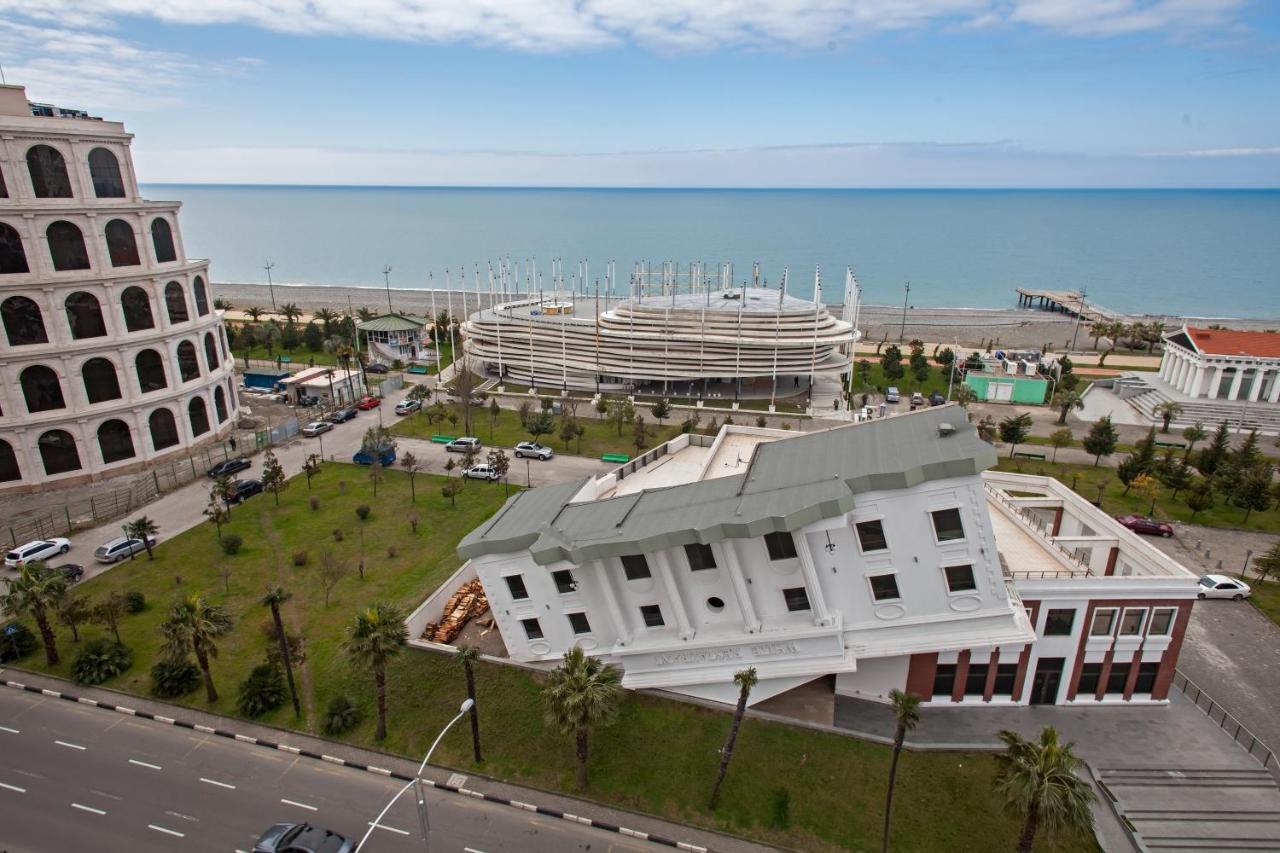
(396, 337)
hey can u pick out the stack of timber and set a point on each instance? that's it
(464, 605)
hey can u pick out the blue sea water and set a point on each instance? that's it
(1189, 252)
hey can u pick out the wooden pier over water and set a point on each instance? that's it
(1067, 302)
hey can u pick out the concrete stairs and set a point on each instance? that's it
(1145, 391)
(1192, 810)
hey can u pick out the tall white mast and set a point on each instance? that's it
(817, 312)
(777, 340)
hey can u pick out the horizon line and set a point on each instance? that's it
(614, 188)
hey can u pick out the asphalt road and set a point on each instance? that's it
(74, 777)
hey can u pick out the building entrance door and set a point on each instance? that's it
(1048, 678)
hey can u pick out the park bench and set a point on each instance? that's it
(615, 457)
(1029, 454)
(1177, 445)
(442, 439)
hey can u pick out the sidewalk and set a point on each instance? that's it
(577, 810)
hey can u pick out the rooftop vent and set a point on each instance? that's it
(730, 294)
(945, 429)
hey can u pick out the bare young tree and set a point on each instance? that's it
(225, 574)
(329, 572)
(412, 465)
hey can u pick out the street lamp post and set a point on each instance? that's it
(1084, 291)
(902, 332)
(417, 781)
(386, 277)
(270, 288)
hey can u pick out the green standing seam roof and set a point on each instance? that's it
(789, 483)
(392, 323)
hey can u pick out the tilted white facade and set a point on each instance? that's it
(112, 353)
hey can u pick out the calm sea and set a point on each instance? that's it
(1208, 253)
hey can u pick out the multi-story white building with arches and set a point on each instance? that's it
(111, 352)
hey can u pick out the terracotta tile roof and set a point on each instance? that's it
(1232, 342)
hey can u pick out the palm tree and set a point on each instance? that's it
(326, 318)
(581, 693)
(222, 304)
(377, 636)
(193, 626)
(273, 599)
(466, 658)
(1167, 410)
(36, 593)
(1039, 783)
(1193, 435)
(364, 314)
(290, 312)
(746, 679)
(906, 711)
(254, 312)
(1066, 401)
(144, 529)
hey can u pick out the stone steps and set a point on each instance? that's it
(1264, 417)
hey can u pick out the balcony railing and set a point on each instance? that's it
(1020, 515)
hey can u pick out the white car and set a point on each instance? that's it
(115, 550)
(1221, 586)
(481, 472)
(533, 449)
(40, 549)
(315, 428)
(408, 407)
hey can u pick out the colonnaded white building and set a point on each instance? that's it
(880, 553)
(1223, 364)
(112, 352)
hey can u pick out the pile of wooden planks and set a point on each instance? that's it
(465, 604)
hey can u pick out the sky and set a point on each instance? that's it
(728, 93)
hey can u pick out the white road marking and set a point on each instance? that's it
(71, 745)
(144, 764)
(9, 730)
(389, 828)
(216, 782)
(87, 808)
(13, 788)
(299, 805)
(172, 832)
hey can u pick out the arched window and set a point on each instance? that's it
(198, 414)
(121, 245)
(41, 389)
(104, 168)
(162, 240)
(137, 309)
(176, 303)
(9, 470)
(22, 321)
(220, 404)
(202, 297)
(48, 172)
(210, 351)
(58, 452)
(150, 368)
(13, 258)
(115, 441)
(84, 315)
(100, 381)
(164, 429)
(188, 366)
(4, 191)
(66, 246)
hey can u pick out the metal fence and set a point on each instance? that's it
(1227, 722)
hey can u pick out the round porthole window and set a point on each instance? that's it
(715, 604)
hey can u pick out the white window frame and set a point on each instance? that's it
(1115, 621)
(872, 590)
(1120, 632)
(506, 581)
(947, 583)
(858, 538)
(569, 618)
(1173, 620)
(933, 529)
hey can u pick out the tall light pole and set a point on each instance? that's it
(902, 332)
(1079, 313)
(386, 277)
(270, 287)
(417, 781)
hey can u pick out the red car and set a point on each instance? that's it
(1144, 525)
(367, 403)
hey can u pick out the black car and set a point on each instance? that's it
(231, 466)
(375, 368)
(70, 571)
(936, 399)
(308, 400)
(302, 838)
(341, 416)
(242, 490)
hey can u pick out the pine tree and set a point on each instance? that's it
(1215, 454)
(1101, 440)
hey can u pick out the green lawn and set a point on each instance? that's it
(935, 381)
(1085, 479)
(300, 355)
(803, 789)
(600, 437)
(1266, 597)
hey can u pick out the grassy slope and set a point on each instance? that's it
(1266, 597)
(659, 757)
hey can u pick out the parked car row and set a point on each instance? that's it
(41, 550)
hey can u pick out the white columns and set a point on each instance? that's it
(1166, 364)
(604, 570)
(673, 595)
(1274, 396)
(1255, 390)
(728, 557)
(1215, 383)
(1197, 381)
(1234, 393)
(817, 601)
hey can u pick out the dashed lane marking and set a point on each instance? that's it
(90, 809)
(145, 764)
(71, 745)
(172, 832)
(216, 782)
(390, 829)
(13, 788)
(299, 805)
(9, 730)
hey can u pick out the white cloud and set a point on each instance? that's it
(1273, 151)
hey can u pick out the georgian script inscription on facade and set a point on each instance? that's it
(722, 655)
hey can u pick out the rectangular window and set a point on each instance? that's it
(700, 557)
(975, 683)
(565, 583)
(532, 629)
(636, 567)
(884, 587)
(1006, 675)
(652, 615)
(960, 579)
(944, 680)
(1089, 675)
(871, 536)
(1104, 622)
(1058, 623)
(515, 585)
(1119, 675)
(1146, 680)
(1162, 622)
(1131, 622)
(578, 622)
(781, 546)
(946, 525)
(796, 598)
